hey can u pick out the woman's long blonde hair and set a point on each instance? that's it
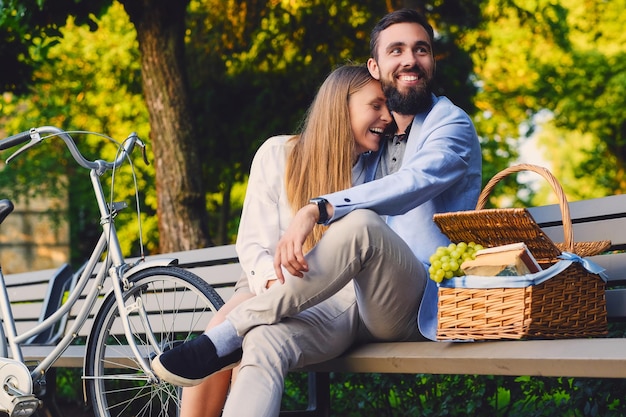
(321, 159)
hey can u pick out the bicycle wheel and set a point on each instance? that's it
(176, 301)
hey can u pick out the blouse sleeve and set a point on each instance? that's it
(264, 204)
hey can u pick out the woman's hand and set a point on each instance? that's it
(289, 252)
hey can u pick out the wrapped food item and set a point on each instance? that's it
(506, 260)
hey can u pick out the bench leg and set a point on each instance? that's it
(319, 397)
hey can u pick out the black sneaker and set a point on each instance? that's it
(192, 362)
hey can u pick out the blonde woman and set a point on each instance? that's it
(343, 124)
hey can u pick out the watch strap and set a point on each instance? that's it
(321, 206)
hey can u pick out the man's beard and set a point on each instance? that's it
(413, 101)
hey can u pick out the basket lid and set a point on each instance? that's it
(502, 226)
(496, 227)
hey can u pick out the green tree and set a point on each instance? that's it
(72, 87)
(160, 28)
(24, 24)
(556, 69)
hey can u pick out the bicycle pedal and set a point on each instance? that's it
(25, 405)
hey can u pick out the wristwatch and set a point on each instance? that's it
(321, 206)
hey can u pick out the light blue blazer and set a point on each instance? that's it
(440, 172)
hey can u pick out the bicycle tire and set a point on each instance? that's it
(116, 384)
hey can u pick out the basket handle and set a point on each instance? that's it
(568, 231)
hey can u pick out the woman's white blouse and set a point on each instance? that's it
(266, 212)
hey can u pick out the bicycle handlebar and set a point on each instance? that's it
(34, 135)
(14, 140)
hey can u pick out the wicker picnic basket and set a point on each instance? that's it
(568, 305)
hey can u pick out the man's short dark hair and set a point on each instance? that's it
(399, 16)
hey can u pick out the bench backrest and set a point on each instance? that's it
(36, 295)
(217, 265)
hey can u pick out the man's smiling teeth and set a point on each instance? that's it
(408, 77)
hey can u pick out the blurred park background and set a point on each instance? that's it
(205, 82)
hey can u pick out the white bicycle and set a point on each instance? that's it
(151, 306)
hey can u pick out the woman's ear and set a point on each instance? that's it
(372, 66)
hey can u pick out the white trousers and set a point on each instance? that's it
(363, 284)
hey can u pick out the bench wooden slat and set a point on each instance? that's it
(27, 278)
(583, 210)
(219, 275)
(34, 293)
(27, 311)
(183, 323)
(203, 256)
(573, 358)
(24, 326)
(614, 265)
(592, 232)
(73, 357)
(536, 358)
(593, 220)
(225, 293)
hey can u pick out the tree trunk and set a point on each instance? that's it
(181, 200)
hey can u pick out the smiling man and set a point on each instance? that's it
(366, 279)
(403, 61)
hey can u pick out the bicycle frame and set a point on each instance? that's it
(114, 265)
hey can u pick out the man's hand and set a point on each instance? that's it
(289, 249)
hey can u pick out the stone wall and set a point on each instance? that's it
(35, 236)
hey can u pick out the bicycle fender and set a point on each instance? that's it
(146, 265)
(150, 264)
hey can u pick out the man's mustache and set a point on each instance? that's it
(414, 69)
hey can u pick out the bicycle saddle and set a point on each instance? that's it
(6, 207)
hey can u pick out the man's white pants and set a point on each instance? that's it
(364, 284)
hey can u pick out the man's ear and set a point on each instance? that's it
(372, 66)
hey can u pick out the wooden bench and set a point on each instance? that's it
(597, 219)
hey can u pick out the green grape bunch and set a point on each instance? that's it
(446, 262)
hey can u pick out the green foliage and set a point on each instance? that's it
(89, 81)
(69, 383)
(296, 391)
(248, 59)
(27, 23)
(376, 395)
(563, 59)
(258, 66)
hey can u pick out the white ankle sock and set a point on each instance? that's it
(224, 338)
